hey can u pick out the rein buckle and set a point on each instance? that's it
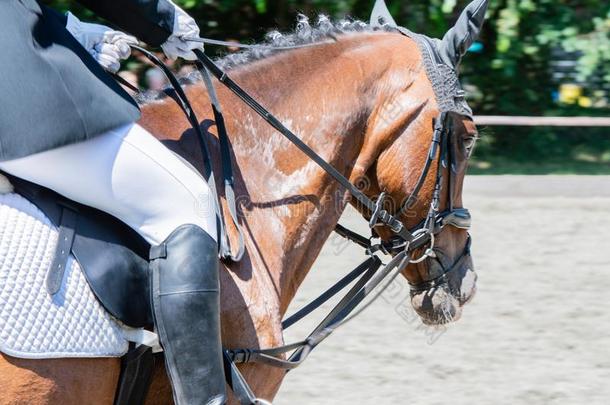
(381, 217)
(378, 213)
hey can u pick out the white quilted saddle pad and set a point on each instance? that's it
(32, 323)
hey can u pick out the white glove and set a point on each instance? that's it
(184, 27)
(106, 45)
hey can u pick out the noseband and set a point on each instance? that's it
(441, 150)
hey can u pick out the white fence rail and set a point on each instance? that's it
(497, 120)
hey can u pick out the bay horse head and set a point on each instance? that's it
(443, 280)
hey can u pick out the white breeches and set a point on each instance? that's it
(128, 174)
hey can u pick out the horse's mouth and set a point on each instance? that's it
(444, 304)
(437, 306)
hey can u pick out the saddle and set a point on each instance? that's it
(113, 257)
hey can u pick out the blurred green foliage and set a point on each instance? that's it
(510, 75)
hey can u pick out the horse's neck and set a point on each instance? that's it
(289, 204)
(293, 204)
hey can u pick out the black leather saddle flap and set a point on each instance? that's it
(113, 257)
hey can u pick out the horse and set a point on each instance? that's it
(359, 96)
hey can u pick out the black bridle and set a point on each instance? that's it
(368, 278)
(424, 234)
(442, 150)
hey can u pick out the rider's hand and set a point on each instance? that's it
(184, 27)
(106, 45)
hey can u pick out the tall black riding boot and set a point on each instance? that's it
(186, 306)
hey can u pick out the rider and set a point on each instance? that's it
(66, 125)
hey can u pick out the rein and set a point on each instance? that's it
(368, 277)
(227, 169)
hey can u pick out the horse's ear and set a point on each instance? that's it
(381, 15)
(458, 39)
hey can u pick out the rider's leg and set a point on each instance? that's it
(129, 174)
(132, 176)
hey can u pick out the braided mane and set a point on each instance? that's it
(304, 34)
(275, 41)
